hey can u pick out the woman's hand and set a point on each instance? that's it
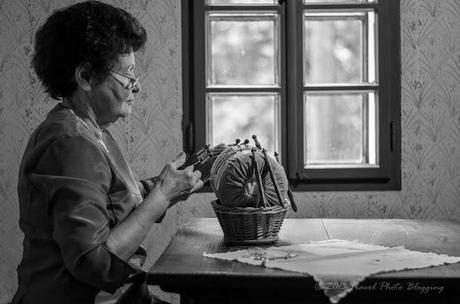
(171, 186)
(174, 183)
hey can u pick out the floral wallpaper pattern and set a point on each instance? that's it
(152, 135)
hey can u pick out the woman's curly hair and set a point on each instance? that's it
(89, 32)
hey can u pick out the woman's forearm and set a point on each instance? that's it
(126, 237)
(170, 185)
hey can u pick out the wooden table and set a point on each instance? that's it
(182, 268)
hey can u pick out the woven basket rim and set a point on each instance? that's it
(215, 204)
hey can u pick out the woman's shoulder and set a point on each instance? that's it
(60, 122)
(61, 145)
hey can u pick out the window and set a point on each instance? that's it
(316, 81)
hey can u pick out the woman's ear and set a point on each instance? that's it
(82, 76)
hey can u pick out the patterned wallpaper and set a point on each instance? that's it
(152, 135)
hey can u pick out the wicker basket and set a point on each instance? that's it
(249, 226)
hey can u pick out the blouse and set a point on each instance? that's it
(74, 186)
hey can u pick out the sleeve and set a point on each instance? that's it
(77, 177)
(146, 185)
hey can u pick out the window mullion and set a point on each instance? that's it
(199, 73)
(340, 6)
(236, 89)
(341, 87)
(294, 87)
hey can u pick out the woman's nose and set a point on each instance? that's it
(137, 87)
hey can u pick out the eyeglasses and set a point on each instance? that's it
(129, 84)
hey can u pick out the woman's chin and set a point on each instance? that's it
(127, 109)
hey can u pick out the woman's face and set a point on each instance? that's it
(110, 99)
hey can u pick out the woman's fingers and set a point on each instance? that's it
(197, 186)
(196, 176)
(179, 161)
(189, 169)
(171, 166)
(176, 182)
(166, 169)
(192, 178)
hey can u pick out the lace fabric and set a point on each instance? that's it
(338, 266)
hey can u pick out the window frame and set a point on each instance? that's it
(386, 177)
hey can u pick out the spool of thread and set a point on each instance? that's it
(235, 183)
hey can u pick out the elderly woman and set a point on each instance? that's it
(83, 214)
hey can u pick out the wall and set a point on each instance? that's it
(152, 136)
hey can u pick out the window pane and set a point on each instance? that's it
(339, 47)
(240, 116)
(336, 1)
(340, 129)
(241, 2)
(242, 49)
